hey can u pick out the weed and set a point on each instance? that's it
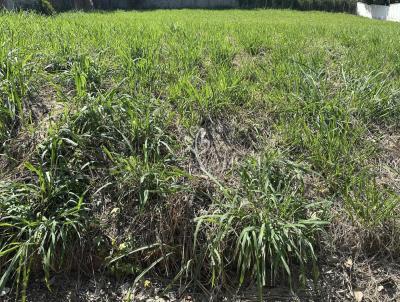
(267, 220)
(114, 174)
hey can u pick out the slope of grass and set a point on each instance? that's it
(220, 148)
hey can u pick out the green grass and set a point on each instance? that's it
(210, 146)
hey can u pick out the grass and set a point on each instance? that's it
(221, 148)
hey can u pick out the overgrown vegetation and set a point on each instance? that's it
(46, 8)
(181, 144)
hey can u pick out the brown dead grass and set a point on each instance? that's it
(362, 260)
(388, 163)
(41, 109)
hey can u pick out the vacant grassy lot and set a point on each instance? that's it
(216, 149)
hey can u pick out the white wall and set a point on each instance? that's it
(394, 12)
(364, 10)
(381, 12)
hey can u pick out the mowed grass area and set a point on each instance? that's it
(216, 149)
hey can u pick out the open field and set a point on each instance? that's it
(212, 150)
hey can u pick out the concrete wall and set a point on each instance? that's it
(14, 4)
(59, 5)
(190, 3)
(114, 4)
(394, 12)
(62, 5)
(381, 12)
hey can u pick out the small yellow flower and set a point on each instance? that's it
(147, 283)
(122, 246)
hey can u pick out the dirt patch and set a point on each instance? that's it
(41, 109)
(359, 261)
(71, 288)
(242, 59)
(348, 278)
(221, 144)
(388, 163)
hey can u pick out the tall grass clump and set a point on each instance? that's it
(264, 228)
(15, 73)
(40, 226)
(370, 204)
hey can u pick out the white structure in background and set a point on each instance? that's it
(381, 12)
